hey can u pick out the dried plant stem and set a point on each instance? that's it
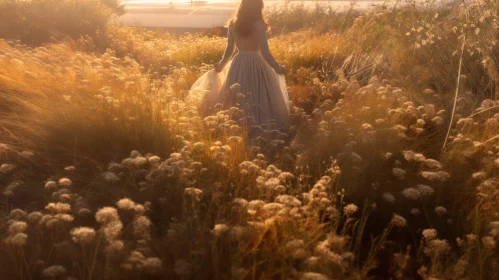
(457, 93)
(483, 111)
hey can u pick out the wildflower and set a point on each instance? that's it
(388, 197)
(125, 204)
(50, 185)
(489, 243)
(154, 160)
(272, 208)
(65, 182)
(58, 207)
(141, 226)
(114, 248)
(312, 262)
(411, 193)
(19, 239)
(399, 173)
(17, 227)
(398, 221)
(35, 216)
(17, 214)
(199, 146)
(350, 209)
(220, 229)
(294, 244)
(255, 205)
(313, 276)
(409, 155)
(112, 230)
(106, 215)
(83, 235)
(240, 202)
(54, 271)
(415, 212)
(285, 177)
(152, 265)
(280, 189)
(437, 247)
(134, 260)
(139, 209)
(194, 193)
(64, 217)
(429, 234)
(479, 175)
(272, 183)
(288, 200)
(425, 190)
(110, 177)
(460, 268)
(440, 210)
(439, 176)
(70, 168)
(432, 164)
(494, 228)
(6, 168)
(83, 212)
(182, 267)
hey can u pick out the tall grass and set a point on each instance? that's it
(108, 172)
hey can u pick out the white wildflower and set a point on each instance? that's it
(489, 243)
(49, 185)
(17, 227)
(415, 212)
(106, 215)
(350, 209)
(313, 276)
(7, 168)
(17, 214)
(288, 200)
(83, 235)
(125, 204)
(399, 173)
(114, 248)
(58, 207)
(141, 226)
(411, 193)
(19, 239)
(388, 197)
(110, 177)
(220, 229)
(54, 271)
(65, 182)
(425, 190)
(429, 234)
(440, 210)
(193, 193)
(152, 265)
(398, 221)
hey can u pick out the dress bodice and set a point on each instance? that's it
(256, 42)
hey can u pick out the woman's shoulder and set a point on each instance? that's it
(260, 24)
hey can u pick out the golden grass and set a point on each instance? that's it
(349, 192)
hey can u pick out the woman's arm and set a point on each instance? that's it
(263, 41)
(229, 50)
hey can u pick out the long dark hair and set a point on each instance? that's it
(249, 12)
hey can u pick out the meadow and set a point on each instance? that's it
(389, 171)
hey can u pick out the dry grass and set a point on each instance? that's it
(107, 172)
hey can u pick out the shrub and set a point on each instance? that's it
(39, 21)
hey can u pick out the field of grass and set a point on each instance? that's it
(389, 171)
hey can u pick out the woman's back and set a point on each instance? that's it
(249, 42)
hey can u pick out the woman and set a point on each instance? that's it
(253, 72)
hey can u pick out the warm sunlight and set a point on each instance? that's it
(216, 139)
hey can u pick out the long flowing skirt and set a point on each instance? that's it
(249, 83)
